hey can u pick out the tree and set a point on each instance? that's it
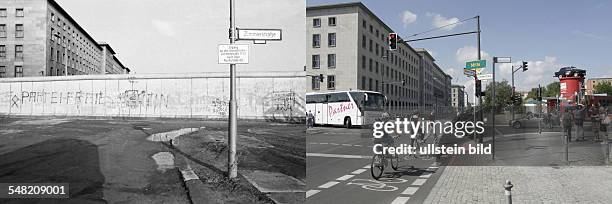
(552, 90)
(603, 88)
(503, 92)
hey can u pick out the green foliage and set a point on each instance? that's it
(603, 88)
(503, 92)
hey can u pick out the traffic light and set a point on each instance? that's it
(478, 88)
(321, 77)
(393, 41)
(539, 93)
(524, 66)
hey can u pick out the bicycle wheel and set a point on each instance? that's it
(377, 167)
(394, 161)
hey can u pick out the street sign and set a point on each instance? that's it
(469, 72)
(502, 60)
(233, 54)
(485, 76)
(476, 64)
(259, 34)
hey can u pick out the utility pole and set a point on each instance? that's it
(232, 166)
(476, 78)
(493, 109)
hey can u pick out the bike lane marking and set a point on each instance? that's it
(400, 200)
(419, 182)
(333, 183)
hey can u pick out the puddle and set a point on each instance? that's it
(40, 122)
(164, 161)
(167, 136)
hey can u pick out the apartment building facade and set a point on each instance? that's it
(458, 97)
(39, 38)
(347, 44)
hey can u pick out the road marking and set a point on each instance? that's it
(337, 156)
(426, 175)
(311, 192)
(367, 167)
(434, 167)
(328, 184)
(333, 144)
(418, 182)
(410, 190)
(345, 177)
(357, 145)
(358, 171)
(324, 143)
(400, 200)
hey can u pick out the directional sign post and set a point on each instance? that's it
(485, 76)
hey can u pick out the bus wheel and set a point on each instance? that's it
(347, 122)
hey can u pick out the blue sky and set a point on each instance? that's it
(547, 34)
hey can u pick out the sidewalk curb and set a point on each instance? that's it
(195, 188)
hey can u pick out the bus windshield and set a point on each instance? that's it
(375, 101)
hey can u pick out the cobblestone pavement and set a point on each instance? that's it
(532, 184)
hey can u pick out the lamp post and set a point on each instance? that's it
(65, 45)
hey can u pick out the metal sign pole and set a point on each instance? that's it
(493, 109)
(232, 166)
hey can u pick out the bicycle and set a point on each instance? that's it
(380, 161)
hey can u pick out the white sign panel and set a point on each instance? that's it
(485, 76)
(259, 34)
(503, 60)
(233, 54)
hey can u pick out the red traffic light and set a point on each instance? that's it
(393, 41)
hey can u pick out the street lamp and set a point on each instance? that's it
(65, 45)
(524, 68)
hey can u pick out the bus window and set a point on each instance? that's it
(339, 97)
(316, 98)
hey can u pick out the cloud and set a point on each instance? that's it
(538, 72)
(469, 53)
(163, 27)
(439, 21)
(408, 18)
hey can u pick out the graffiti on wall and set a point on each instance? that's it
(129, 98)
(282, 100)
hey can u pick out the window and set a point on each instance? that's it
(364, 24)
(363, 83)
(371, 29)
(363, 42)
(3, 12)
(331, 21)
(18, 71)
(52, 17)
(2, 30)
(370, 45)
(19, 30)
(338, 97)
(331, 82)
(316, 61)
(2, 71)
(2, 51)
(331, 39)
(19, 12)
(19, 52)
(316, 22)
(316, 40)
(363, 61)
(370, 84)
(316, 83)
(370, 63)
(331, 60)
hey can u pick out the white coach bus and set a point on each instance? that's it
(346, 108)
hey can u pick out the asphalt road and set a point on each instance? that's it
(338, 171)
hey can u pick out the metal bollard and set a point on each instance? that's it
(508, 187)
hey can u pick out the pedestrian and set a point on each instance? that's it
(595, 119)
(309, 119)
(605, 121)
(566, 121)
(579, 115)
